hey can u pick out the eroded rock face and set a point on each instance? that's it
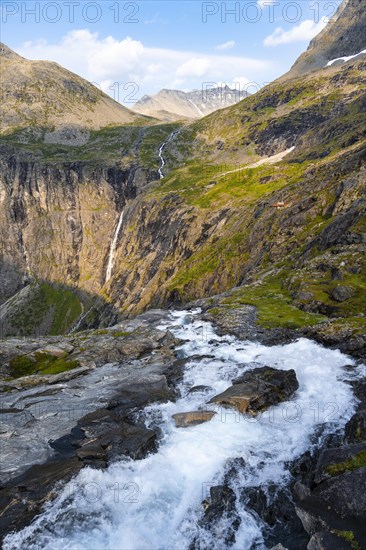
(333, 500)
(258, 389)
(192, 418)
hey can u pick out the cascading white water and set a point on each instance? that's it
(154, 503)
(113, 247)
(161, 149)
(80, 320)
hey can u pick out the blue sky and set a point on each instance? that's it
(134, 48)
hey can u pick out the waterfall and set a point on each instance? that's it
(80, 320)
(113, 248)
(161, 149)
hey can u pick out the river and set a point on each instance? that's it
(156, 503)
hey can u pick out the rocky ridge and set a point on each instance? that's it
(170, 105)
(42, 93)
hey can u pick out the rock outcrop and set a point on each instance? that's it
(331, 502)
(258, 389)
(343, 36)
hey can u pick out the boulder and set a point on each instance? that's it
(192, 418)
(200, 389)
(342, 293)
(258, 389)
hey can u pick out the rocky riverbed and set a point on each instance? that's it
(116, 399)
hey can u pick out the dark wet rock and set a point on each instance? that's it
(198, 389)
(328, 541)
(258, 389)
(192, 418)
(25, 497)
(300, 491)
(174, 373)
(337, 504)
(331, 460)
(107, 438)
(355, 430)
(220, 516)
(222, 499)
(275, 507)
(342, 293)
(359, 388)
(139, 392)
(344, 339)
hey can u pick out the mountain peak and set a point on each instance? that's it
(344, 36)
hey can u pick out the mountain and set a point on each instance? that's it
(44, 94)
(253, 218)
(268, 192)
(173, 105)
(344, 36)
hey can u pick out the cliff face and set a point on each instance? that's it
(57, 220)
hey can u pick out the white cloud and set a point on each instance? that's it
(107, 61)
(226, 46)
(194, 67)
(305, 31)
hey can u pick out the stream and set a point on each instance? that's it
(161, 149)
(156, 503)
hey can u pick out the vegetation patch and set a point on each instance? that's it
(354, 463)
(53, 307)
(40, 363)
(274, 305)
(349, 536)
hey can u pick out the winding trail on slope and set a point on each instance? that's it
(268, 160)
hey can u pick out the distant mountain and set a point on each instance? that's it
(172, 105)
(42, 93)
(344, 36)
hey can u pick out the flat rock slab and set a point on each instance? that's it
(258, 389)
(192, 418)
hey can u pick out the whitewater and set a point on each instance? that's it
(155, 503)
